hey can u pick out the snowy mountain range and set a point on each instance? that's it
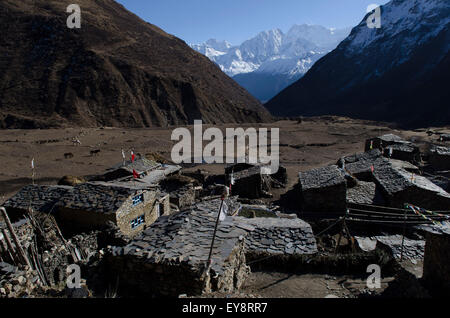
(398, 73)
(272, 60)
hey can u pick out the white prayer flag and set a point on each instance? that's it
(232, 179)
(32, 164)
(223, 212)
(123, 154)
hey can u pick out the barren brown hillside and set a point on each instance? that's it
(116, 70)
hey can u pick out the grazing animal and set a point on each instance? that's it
(95, 152)
(68, 155)
(76, 142)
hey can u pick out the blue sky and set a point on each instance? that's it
(196, 21)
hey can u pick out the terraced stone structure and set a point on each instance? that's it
(169, 258)
(91, 206)
(323, 190)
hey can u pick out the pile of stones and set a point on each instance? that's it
(18, 282)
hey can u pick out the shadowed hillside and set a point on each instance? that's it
(117, 70)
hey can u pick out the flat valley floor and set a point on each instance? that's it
(313, 143)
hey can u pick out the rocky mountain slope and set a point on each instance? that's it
(398, 73)
(116, 70)
(272, 60)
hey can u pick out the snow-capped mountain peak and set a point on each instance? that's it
(301, 42)
(273, 54)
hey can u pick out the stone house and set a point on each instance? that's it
(404, 152)
(91, 206)
(169, 258)
(400, 186)
(251, 183)
(360, 165)
(384, 141)
(142, 166)
(436, 267)
(439, 158)
(323, 190)
(183, 197)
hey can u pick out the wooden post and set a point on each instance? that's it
(208, 264)
(342, 230)
(15, 239)
(74, 256)
(403, 239)
(4, 246)
(11, 249)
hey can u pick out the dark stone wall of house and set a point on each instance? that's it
(436, 268)
(77, 221)
(138, 277)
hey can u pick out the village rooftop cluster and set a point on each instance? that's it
(145, 228)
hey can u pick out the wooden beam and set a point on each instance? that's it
(14, 237)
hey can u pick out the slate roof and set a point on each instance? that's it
(256, 170)
(402, 148)
(278, 236)
(364, 193)
(186, 237)
(394, 180)
(321, 178)
(42, 198)
(390, 138)
(441, 151)
(363, 162)
(412, 249)
(140, 165)
(96, 197)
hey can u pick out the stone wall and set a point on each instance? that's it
(183, 197)
(439, 158)
(79, 221)
(128, 213)
(436, 268)
(141, 277)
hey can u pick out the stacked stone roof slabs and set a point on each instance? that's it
(40, 198)
(96, 197)
(278, 236)
(186, 237)
(139, 165)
